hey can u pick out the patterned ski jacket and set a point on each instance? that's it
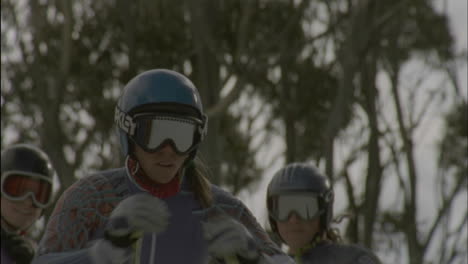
(82, 212)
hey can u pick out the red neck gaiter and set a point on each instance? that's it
(160, 190)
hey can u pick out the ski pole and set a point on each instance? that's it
(137, 246)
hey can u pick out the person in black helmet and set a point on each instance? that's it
(26, 187)
(159, 207)
(300, 211)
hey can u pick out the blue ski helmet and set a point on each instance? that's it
(158, 91)
(302, 178)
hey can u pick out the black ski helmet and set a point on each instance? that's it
(27, 160)
(303, 178)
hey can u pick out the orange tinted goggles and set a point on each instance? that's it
(19, 185)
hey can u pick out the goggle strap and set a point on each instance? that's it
(203, 129)
(28, 174)
(127, 124)
(124, 121)
(183, 119)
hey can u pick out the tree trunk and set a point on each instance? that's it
(410, 220)
(207, 79)
(374, 170)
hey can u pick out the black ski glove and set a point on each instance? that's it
(19, 248)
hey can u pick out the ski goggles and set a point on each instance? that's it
(305, 206)
(18, 185)
(152, 132)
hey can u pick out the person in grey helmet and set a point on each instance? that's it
(26, 187)
(159, 207)
(300, 210)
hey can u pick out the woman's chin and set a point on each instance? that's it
(163, 175)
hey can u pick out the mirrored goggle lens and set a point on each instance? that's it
(306, 206)
(19, 186)
(152, 132)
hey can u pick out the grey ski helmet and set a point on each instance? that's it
(304, 178)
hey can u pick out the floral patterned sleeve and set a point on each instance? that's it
(79, 216)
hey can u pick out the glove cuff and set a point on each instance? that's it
(121, 241)
(119, 232)
(103, 251)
